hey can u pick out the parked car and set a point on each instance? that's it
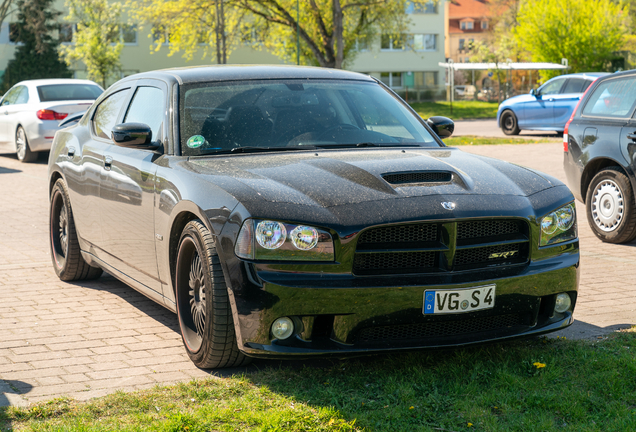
(31, 111)
(296, 211)
(599, 145)
(465, 91)
(547, 108)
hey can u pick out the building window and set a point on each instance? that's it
(160, 36)
(66, 33)
(461, 44)
(421, 8)
(391, 42)
(425, 79)
(466, 25)
(128, 34)
(13, 33)
(484, 25)
(391, 79)
(423, 42)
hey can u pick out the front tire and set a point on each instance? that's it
(65, 250)
(611, 211)
(203, 306)
(509, 124)
(23, 151)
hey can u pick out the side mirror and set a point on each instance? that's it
(136, 135)
(442, 126)
(533, 92)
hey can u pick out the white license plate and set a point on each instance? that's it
(458, 301)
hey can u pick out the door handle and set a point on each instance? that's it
(108, 162)
(71, 152)
(551, 100)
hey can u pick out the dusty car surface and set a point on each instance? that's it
(294, 211)
(30, 113)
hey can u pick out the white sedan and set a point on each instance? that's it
(30, 113)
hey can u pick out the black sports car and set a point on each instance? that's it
(285, 211)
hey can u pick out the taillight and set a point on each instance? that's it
(567, 125)
(45, 114)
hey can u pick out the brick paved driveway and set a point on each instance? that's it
(89, 339)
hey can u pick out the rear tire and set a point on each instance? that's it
(610, 207)
(65, 250)
(23, 151)
(203, 306)
(509, 124)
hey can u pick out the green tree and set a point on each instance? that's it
(585, 32)
(97, 41)
(36, 54)
(193, 25)
(327, 31)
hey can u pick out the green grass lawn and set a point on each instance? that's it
(478, 140)
(462, 110)
(534, 385)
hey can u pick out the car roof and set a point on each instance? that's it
(585, 75)
(39, 82)
(187, 75)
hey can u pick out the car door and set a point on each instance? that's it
(540, 111)
(85, 168)
(127, 191)
(566, 100)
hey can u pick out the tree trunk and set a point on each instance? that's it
(338, 34)
(217, 32)
(223, 35)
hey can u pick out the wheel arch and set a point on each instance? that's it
(594, 167)
(502, 112)
(178, 224)
(55, 176)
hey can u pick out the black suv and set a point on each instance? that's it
(599, 142)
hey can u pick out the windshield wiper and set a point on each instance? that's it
(252, 149)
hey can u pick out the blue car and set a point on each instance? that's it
(547, 108)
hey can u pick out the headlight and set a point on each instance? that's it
(273, 240)
(558, 226)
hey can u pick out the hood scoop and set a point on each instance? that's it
(418, 177)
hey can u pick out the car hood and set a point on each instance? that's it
(329, 178)
(518, 99)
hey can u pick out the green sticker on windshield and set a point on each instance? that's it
(196, 141)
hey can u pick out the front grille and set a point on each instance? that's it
(394, 262)
(418, 331)
(488, 228)
(427, 247)
(398, 234)
(418, 177)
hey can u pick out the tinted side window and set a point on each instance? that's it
(147, 107)
(587, 84)
(612, 98)
(575, 85)
(551, 87)
(107, 112)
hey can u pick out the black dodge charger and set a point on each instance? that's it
(292, 211)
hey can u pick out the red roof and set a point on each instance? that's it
(468, 9)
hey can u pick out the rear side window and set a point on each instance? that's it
(575, 85)
(612, 98)
(107, 112)
(67, 92)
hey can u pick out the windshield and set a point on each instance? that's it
(294, 114)
(67, 92)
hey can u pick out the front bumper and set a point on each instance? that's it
(353, 315)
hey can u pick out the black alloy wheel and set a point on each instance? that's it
(203, 306)
(65, 250)
(23, 151)
(509, 124)
(610, 206)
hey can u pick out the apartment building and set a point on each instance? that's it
(407, 63)
(468, 22)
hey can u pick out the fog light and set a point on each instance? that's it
(283, 328)
(562, 303)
